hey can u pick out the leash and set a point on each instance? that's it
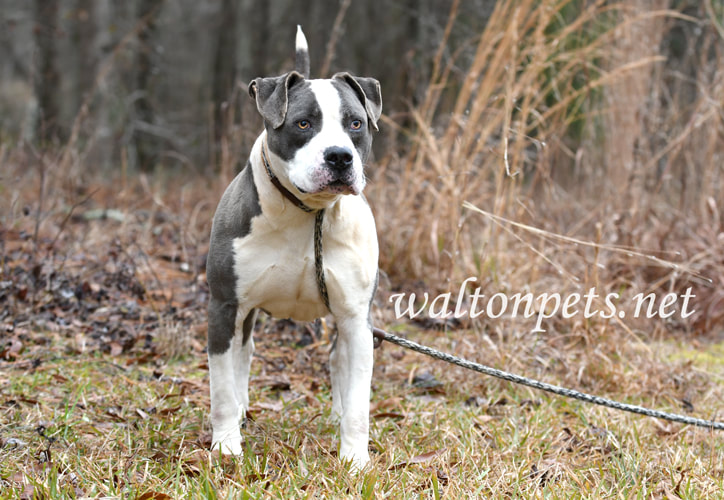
(277, 183)
(535, 384)
(318, 220)
(381, 335)
(318, 262)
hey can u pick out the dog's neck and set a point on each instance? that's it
(312, 202)
(277, 184)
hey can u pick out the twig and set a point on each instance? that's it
(717, 25)
(150, 269)
(67, 218)
(41, 196)
(629, 251)
(336, 31)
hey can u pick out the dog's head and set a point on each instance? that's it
(321, 130)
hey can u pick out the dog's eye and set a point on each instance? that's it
(356, 124)
(303, 124)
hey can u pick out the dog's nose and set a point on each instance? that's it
(338, 158)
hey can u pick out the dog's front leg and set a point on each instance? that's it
(351, 364)
(242, 348)
(226, 395)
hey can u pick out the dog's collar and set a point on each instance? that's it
(277, 184)
(318, 220)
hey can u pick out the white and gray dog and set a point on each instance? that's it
(300, 194)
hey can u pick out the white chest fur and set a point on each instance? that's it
(275, 270)
(274, 263)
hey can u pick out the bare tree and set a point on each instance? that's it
(83, 37)
(224, 71)
(144, 138)
(47, 78)
(259, 38)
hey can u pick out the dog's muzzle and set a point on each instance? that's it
(340, 161)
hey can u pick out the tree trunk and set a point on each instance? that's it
(47, 78)
(224, 71)
(145, 142)
(258, 38)
(83, 36)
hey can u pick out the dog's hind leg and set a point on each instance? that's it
(243, 349)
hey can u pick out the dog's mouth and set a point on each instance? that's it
(334, 188)
(341, 187)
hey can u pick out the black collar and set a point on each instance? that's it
(318, 220)
(275, 180)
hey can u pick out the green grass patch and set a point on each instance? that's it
(95, 426)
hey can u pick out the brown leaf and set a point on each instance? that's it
(278, 383)
(204, 440)
(426, 457)
(190, 386)
(115, 412)
(419, 459)
(154, 495)
(388, 414)
(28, 492)
(143, 358)
(12, 349)
(168, 411)
(23, 399)
(385, 403)
(263, 405)
(250, 478)
(116, 348)
(443, 477)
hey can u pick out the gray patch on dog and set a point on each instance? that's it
(238, 206)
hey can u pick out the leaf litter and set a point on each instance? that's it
(91, 331)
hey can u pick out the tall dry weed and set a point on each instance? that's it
(567, 119)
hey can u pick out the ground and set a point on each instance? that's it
(104, 391)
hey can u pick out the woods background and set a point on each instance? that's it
(594, 122)
(160, 75)
(542, 146)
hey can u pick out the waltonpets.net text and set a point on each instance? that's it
(544, 306)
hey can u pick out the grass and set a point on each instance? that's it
(103, 426)
(589, 159)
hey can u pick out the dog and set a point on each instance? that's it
(294, 236)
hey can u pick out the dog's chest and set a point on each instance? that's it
(275, 270)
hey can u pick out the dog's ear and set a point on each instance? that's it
(271, 95)
(369, 93)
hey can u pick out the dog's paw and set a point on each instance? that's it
(357, 459)
(228, 445)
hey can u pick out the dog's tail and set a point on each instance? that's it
(301, 59)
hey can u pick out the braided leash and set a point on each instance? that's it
(318, 262)
(318, 221)
(380, 335)
(561, 391)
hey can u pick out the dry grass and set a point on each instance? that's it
(101, 426)
(579, 128)
(596, 163)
